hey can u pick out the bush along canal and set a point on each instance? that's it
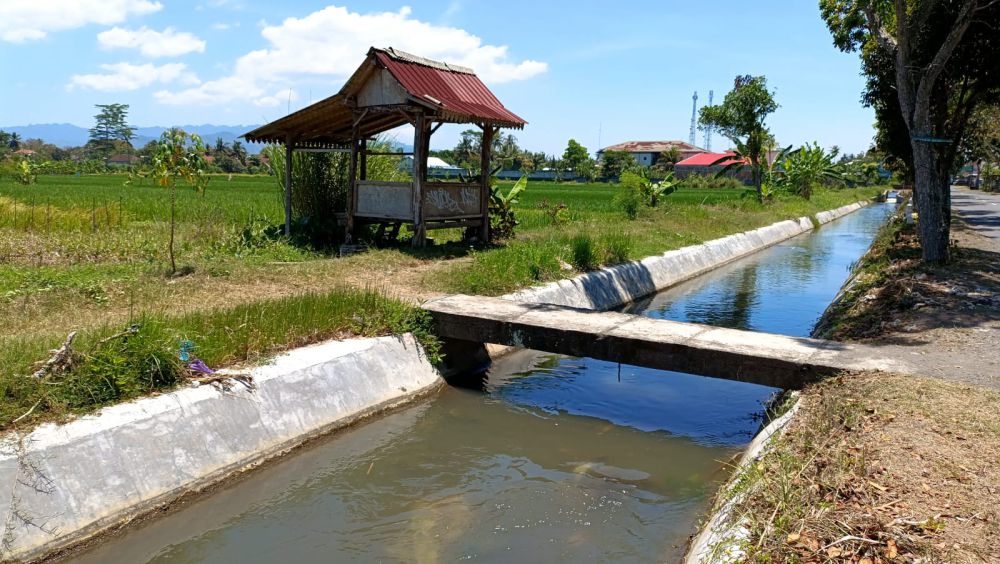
(555, 458)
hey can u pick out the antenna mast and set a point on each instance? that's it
(694, 117)
(708, 129)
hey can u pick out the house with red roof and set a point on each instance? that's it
(708, 164)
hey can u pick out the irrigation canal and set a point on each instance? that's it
(558, 459)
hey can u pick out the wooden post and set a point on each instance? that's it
(352, 176)
(419, 168)
(485, 158)
(289, 144)
(363, 173)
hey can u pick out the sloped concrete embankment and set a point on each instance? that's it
(64, 483)
(616, 286)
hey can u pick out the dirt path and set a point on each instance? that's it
(949, 317)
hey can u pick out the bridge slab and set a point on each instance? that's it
(762, 358)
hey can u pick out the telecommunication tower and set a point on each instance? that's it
(694, 117)
(708, 130)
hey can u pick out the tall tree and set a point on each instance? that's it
(930, 64)
(575, 154)
(110, 125)
(614, 163)
(740, 117)
(14, 141)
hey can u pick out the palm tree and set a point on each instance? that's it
(240, 152)
(14, 141)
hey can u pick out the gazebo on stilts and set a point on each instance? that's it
(390, 89)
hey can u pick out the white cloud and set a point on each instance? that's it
(331, 42)
(223, 26)
(152, 43)
(126, 76)
(30, 20)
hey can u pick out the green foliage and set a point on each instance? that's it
(26, 172)
(614, 163)
(320, 185)
(709, 182)
(175, 160)
(575, 155)
(556, 213)
(617, 248)
(110, 125)
(502, 218)
(741, 118)
(656, 191)
(630, 195)
(584, 254)
(110, 365)
(806, 167)
(120, 368)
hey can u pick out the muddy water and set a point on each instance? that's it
(558, 459)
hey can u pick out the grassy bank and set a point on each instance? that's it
(879, 468)
(111, 363)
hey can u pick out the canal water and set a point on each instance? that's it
(557, 459)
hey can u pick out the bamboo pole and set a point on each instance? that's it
(288, 186)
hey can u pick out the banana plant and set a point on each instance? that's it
(808, 166)
(502, 219)
(655, 191)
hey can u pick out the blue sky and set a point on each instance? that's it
(593, 71)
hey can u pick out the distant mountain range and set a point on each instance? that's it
(69, 135)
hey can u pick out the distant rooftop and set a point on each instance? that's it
(653, 147)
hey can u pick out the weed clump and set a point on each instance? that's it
(617, 248)
(584, 253)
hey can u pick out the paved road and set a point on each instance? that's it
(980, 210)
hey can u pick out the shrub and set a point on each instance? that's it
(630, 195)
(557, 213)
(584, 253)
(700, 181)
(617, 248)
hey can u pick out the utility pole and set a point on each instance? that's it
(694, 117)
(708, 130)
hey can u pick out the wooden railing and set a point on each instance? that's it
(384, 200)
(452, 200)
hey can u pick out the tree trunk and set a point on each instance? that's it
(933, 202)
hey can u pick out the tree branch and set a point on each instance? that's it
(878, 31)
(933, 70)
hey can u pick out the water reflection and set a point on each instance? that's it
(783, 289)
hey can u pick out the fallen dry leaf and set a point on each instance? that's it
(892, 551)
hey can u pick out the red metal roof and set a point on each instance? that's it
(706, 159)
(452, 93)
(454, 90)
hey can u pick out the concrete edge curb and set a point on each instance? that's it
(143, 455)
(718, 540)
(614, 286)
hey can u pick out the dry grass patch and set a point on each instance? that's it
(880, 468)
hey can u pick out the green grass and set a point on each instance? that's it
(147, 361)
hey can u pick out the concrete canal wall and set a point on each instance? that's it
(616, 286)
(64, 483)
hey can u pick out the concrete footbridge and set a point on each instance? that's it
(467, 322)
